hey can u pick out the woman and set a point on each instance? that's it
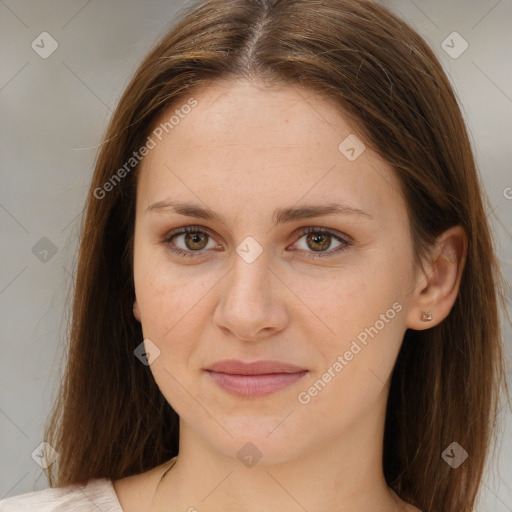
(286, 295)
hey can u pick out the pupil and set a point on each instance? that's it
(196, 239)
(316, 237)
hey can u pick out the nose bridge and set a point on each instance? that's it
(252, 264)
(250, 274)
(248, 303)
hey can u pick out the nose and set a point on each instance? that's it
(252, 303)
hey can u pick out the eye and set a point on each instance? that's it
(196, 240)
(320, 239)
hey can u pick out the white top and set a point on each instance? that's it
(98, 494)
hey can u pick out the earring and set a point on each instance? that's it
(426, 317)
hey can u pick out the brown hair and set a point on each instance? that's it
(110, 418)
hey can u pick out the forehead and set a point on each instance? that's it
(262, 117)
(265, 143)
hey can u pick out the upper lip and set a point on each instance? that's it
(237, 367)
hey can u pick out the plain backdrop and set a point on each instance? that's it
(53, 112)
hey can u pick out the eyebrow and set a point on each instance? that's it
(281, 215)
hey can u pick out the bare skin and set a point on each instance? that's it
(244, 152)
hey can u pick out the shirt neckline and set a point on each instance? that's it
(109, 495)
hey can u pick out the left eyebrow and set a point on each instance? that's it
(281, 215)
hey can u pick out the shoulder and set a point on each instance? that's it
(97, 494)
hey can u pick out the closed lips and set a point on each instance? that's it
(254, 380)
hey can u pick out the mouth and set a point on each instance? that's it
(253, 380)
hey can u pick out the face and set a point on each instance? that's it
(252, 281)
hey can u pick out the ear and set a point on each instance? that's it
(136, 311)
(438, 283)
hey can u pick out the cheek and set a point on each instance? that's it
(364, 309)
(170, 304)
(175, 308)
(168, 307)
(167, 295)
(355, 367)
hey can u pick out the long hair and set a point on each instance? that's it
(110, 418)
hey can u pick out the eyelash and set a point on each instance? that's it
(197, 229)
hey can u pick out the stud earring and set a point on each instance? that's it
(426, 317)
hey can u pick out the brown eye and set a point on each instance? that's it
(194, 241)
(317, 240)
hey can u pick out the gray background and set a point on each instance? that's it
(53, 114)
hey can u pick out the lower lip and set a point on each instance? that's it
(252, 386)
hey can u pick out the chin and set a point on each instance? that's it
(257, 441)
